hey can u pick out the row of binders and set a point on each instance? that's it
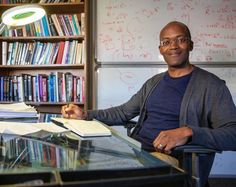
(56, 87)
(50, 25)
(43, 53)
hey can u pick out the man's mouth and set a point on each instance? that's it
(175, 54)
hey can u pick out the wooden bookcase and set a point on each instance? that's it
(75, 69)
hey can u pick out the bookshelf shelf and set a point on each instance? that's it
(51, 103)
(64, 78)
(44, 39)
(36, 67)
(53, 8)
(43, 107)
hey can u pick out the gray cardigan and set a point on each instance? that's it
(207, 107)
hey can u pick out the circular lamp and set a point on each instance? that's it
(21, 15)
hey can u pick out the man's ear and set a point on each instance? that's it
(191, 45)
(160, 49)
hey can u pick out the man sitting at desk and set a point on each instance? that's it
(185, 104)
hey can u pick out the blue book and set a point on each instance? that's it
(37, 88)
(45, 26)
(51, 83)
(1, 88)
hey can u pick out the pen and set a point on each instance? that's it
(60, 124)
(68, 112)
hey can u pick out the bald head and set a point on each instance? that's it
(176, 23)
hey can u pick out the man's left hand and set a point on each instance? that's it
(169, 139)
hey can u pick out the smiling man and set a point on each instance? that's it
(185, 104)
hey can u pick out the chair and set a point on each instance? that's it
(191, 161)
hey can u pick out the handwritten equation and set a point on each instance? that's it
(129, 30)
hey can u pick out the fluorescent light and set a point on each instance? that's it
(22, 15)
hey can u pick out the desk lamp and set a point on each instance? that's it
(21, 15)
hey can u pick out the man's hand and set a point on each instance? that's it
(72, 111)
(169, 139)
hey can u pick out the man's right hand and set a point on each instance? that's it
(72, 111)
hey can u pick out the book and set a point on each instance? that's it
(29, 53)
(43, 54)
(25, 86)
(63, 24)
(82, 127)
(20, 88)
(14, 52)
(78, 53)
(69, 87)
(65, 52)
(6, 88)
(74, 31)
(68, 24)
(52, 26)
(46, 26)
(73, 52)
(58, 86)
(4, 52)
(51, 87)
(1, 87)
(83, 31)
(48, 53)
(76, 24)
(15, 88)
(60, 52)
(57, 24)
(9, 53)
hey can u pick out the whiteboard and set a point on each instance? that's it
(116, 85)
(224, 164)
(128, 31)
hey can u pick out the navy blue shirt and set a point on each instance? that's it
(163, 108)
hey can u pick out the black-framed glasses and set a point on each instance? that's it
(178, 40)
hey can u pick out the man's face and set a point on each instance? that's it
(175, 45)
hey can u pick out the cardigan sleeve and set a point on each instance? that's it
(221, 131)
(121, 114)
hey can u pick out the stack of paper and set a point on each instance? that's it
(17, 110)
(82, 127)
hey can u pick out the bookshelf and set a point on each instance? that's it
(46, 62)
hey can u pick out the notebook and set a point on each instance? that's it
(82, 127)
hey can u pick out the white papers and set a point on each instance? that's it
(17, 110)
(84, 128)
(28, 128)
(17, 107)
(49, 127)
(17, 128)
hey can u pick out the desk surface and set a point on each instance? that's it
(69, 155)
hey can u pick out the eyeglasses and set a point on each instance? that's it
(178, 40)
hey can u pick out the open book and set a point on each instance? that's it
(82, 127)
